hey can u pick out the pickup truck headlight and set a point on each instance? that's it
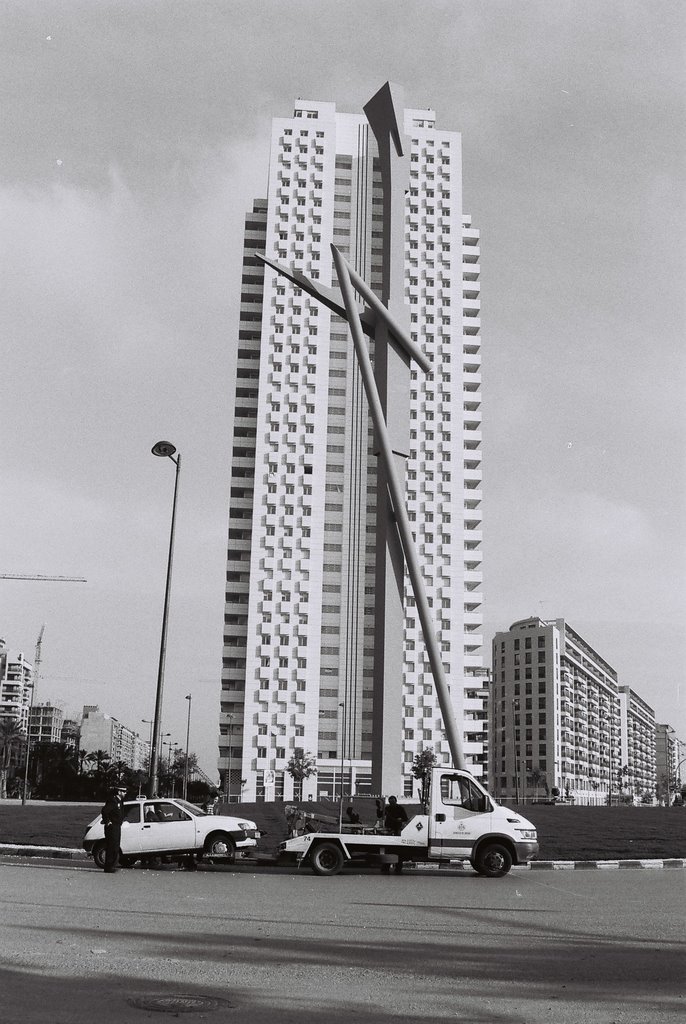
(247, 826)
(527, 833)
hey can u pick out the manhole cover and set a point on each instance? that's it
(179, 1003)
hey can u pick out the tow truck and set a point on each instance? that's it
(463, 823)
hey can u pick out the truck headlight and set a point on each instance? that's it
(527, 833)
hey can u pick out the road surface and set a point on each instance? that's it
(582, 947)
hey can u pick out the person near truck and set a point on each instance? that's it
(112, 817)
(395, 816)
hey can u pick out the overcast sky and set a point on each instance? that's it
(135, 136)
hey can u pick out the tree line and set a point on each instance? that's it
(58, 771)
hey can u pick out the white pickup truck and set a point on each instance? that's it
(463, 823)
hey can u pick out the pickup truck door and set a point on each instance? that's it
(166, 827)
(130, 841)
(460, 814)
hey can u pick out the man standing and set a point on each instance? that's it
(112, 816)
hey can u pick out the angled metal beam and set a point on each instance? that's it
(397, 498)
(402, 337)
(329, 297)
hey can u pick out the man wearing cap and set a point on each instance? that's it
(112, 817)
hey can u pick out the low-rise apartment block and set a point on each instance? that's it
(45, 723)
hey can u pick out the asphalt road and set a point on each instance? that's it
(557, 947)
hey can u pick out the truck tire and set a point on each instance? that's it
(327, 859)
(493, 860)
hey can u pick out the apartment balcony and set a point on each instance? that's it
(471, 379)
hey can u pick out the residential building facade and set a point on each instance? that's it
(16, 681)
(669, 771)
(299, 614)
(70, 733)
(102, 732)
(554, 715)
(45, 723)
(637, 745)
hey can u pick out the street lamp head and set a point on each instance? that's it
(164, 449)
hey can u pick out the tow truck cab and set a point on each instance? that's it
(463, 823)
(466, 823)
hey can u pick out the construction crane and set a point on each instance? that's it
(34, 684)
(29, 576)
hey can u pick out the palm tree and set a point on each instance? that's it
(11, 737)
(100, 768)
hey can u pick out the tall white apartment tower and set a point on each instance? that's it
(299, 625)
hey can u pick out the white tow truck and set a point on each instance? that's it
(463, 823)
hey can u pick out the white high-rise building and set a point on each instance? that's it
(16, 682)
(299, 623)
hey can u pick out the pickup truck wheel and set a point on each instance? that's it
(220, 846)
(493, 860)
(99, 852)
(327, 859)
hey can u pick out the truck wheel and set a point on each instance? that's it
(493, 860)
(220, 846)
(327, 859)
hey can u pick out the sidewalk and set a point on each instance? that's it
(67, 853)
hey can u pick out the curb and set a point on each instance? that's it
(606, 865)
(66, 853)
(561, 865)
(24, 850)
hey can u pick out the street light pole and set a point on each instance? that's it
(340, 808)
(163, 449)
(228, 765)
(148, 721)
(515, 742)
(165, 742)
(189, 698)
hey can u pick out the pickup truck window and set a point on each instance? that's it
(132, 814)
(164, 812)
(460, 792)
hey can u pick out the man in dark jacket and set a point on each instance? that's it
(112, 816)
(395, 816)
